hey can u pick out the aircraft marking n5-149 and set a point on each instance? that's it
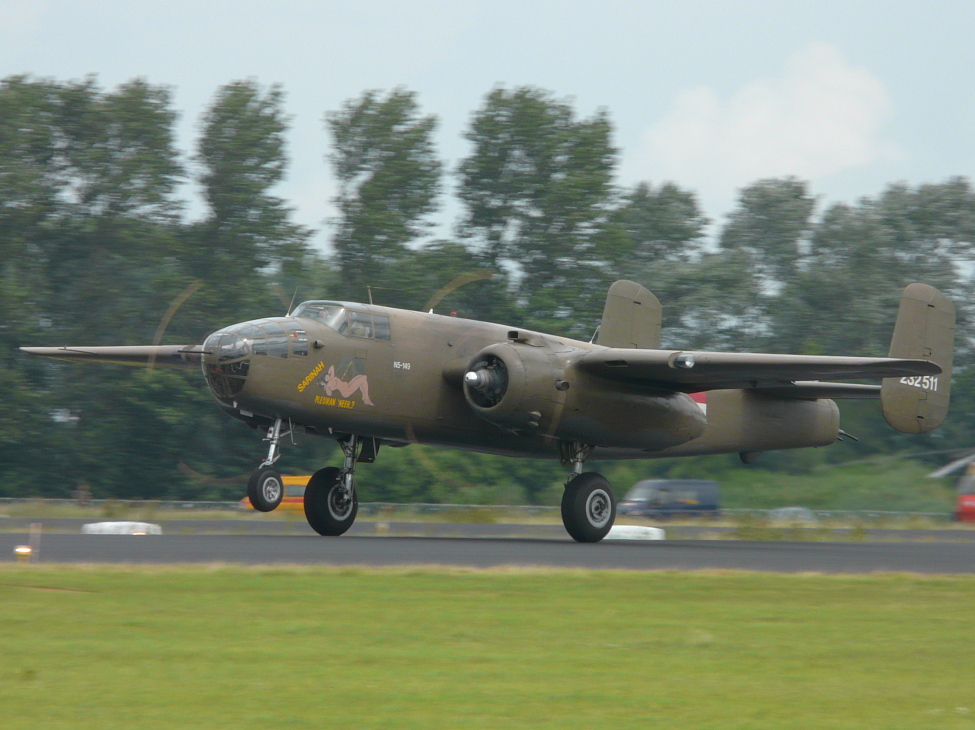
(369, 376)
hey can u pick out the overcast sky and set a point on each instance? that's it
(713, 95)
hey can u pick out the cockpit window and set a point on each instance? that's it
(370, 326)
(381, 324)
(255, 341)
(234, 351)
(339, 322)
(360, 324)
(328, 313)
(299, 342)
(277, 339)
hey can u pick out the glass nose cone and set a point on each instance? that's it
(226, 360)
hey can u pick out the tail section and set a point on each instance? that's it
(925, 330)
(631, 318)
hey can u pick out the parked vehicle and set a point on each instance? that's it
(671, 497)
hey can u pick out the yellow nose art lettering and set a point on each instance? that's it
(309, 379)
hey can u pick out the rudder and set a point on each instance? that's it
(925, 330)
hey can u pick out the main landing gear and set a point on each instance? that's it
(588, 503)
(331, 503)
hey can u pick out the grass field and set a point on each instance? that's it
(225, 647)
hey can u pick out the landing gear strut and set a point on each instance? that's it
(588, 503)
(331, 503)
(265, 488)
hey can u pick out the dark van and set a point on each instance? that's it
(671, 497)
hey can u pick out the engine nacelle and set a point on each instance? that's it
(513, 386)
(531, 389)
(747, 422)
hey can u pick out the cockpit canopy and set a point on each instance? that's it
(328, 313)
(346, 321)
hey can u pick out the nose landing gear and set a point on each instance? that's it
(265, 489)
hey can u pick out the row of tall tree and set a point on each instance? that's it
(97, 248)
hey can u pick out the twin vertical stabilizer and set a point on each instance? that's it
(925, 330)
(631, 318)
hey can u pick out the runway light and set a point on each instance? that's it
(23, 553)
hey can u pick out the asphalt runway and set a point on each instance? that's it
(475, 552)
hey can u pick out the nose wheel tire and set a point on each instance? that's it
(329, 508)
(588, 507)
(265, 489)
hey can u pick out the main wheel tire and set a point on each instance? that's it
(265, 489)
(588, 507)
(327, 509)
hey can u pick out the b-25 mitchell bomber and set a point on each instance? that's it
(370, 376)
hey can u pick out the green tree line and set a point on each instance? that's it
(98, 248)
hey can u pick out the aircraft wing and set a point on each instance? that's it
(162, 355)
(697, 371)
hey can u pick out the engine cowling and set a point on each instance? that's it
(530, 389)
(512, 386)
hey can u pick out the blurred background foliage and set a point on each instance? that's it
(97, 247)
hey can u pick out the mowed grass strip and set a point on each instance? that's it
(229, 647)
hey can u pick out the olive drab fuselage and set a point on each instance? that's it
(338, 368)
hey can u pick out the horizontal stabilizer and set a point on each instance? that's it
(925, 329)
(162, 355)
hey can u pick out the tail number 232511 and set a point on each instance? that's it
(924, 382)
